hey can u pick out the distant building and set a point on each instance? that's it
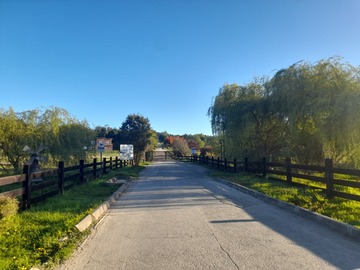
(107, 142)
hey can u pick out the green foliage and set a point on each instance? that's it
(8, 206)
(45, 234)
(180, 147)
(307, 111)
(161, 136)
(243, 122)
(63, 135)
(136, 130)
(153, 141)
(319, 102)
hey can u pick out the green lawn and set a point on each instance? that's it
(313, 199)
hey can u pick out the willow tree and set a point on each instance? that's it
(320, 102)
(241, 116)
(16, 131)
(220, 114)
(63, 135)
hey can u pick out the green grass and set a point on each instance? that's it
(45, 235)
(313, 199)
(313, 184)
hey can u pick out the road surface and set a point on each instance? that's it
(175, 217)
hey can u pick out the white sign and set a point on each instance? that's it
(126, 152)
(101, 146)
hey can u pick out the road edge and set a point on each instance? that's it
(339, 226)
(100, 211)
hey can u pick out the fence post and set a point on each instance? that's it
(94, 168)
(111, 164)
(329, 177)
(235, 169)
(116, 162)
(225, 165)
(246, 165)
(104, 165)
(288, 170)
(264, 167)
(212, 162)
(27, 187)
(61, 175)
(207, 160)
(218, 163)
(81, 171)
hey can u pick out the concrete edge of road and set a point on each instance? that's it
(99, 212)
(333, 224)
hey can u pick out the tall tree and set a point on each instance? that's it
(15, 133)
(307, 111)
(180, 147)
(63, 135)
(245, 125)
(136, 130)
(320, 102)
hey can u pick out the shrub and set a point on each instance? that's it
(8, 206)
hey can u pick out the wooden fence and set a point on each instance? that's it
(38, 186)
(339, 182)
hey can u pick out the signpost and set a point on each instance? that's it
(101, 146)
(101, 149)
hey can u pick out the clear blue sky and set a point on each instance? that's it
(163, 59)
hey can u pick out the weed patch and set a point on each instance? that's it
(8, 206)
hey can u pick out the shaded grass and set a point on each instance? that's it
(313, 199)
(45, 235)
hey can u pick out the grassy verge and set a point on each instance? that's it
(310, 198)
(45, 234)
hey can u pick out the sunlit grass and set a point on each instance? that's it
(312, 199)
(45, 234)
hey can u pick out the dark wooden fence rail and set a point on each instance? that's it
(334, 181)
(38, 186)
(217, 163)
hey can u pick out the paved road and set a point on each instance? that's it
(174, 217)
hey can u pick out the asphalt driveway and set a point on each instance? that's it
(175, 217)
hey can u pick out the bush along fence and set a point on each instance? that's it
(335, 182)
(33, 187)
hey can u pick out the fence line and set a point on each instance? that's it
(328, 176)
(38, 186)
